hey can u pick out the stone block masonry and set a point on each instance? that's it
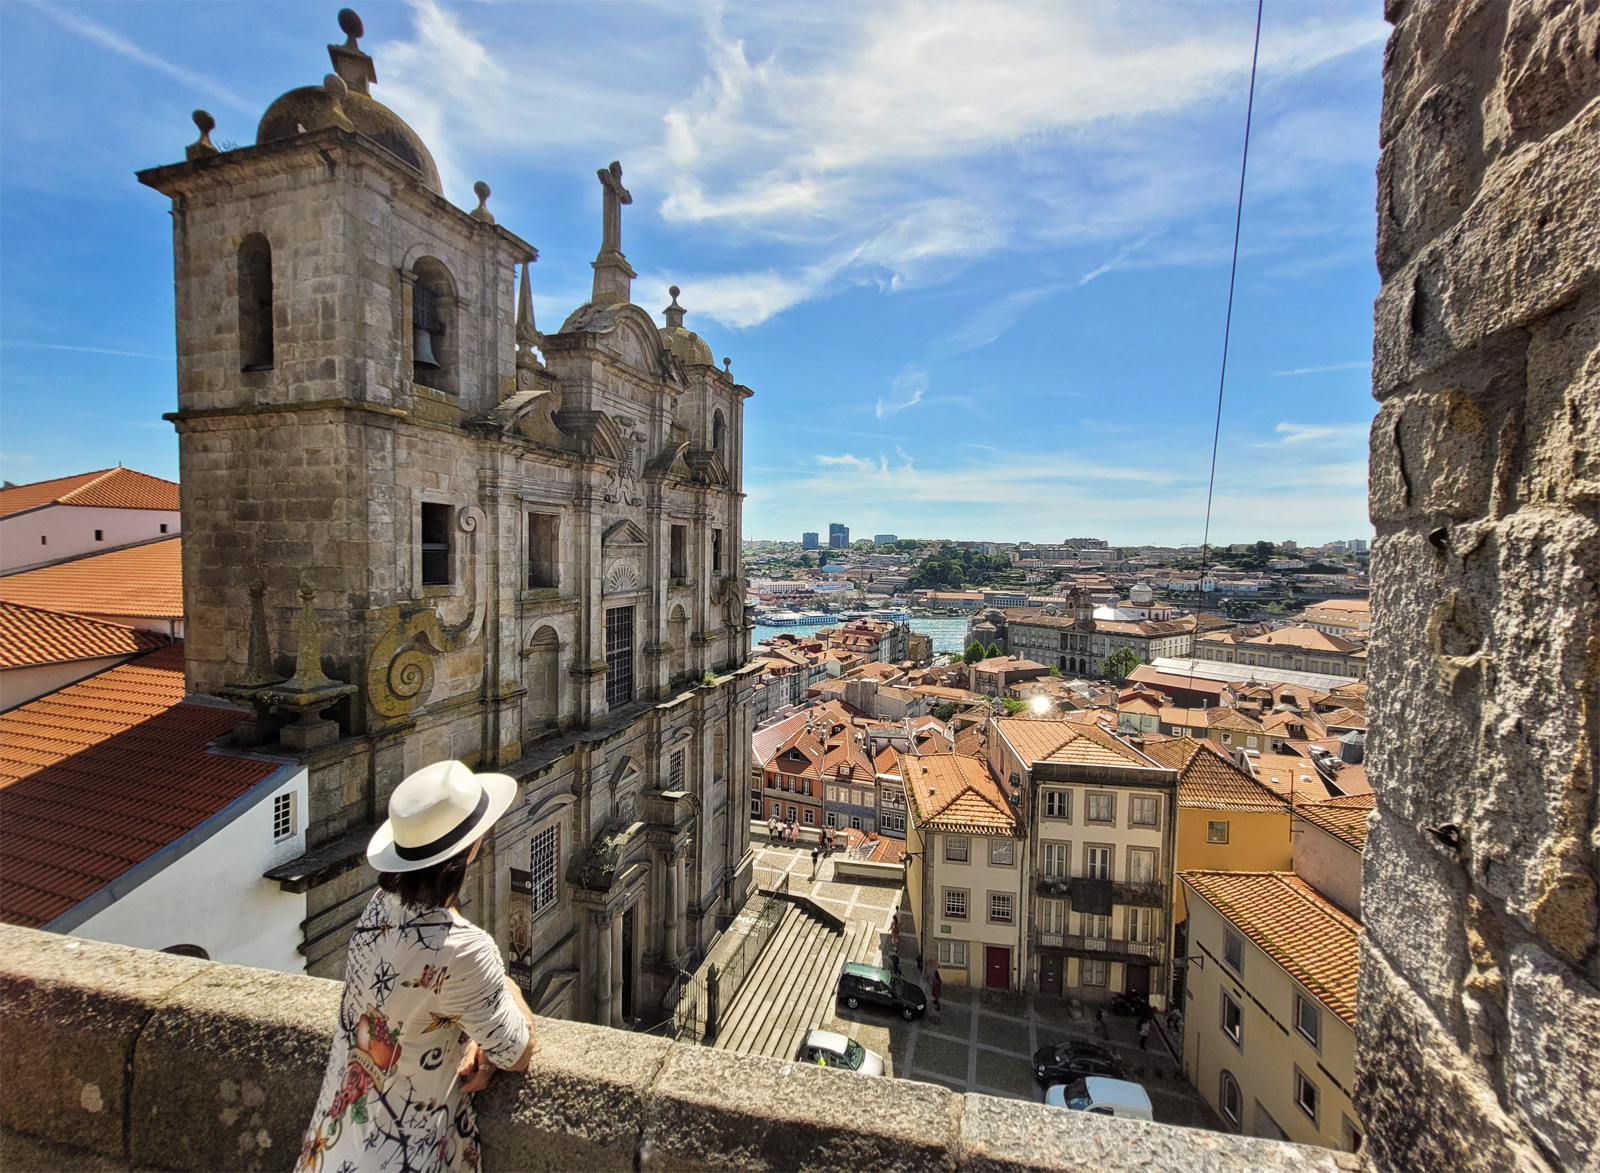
(118, 1058)
(1480, 981)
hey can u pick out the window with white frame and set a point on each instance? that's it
(1000, 907)
(283, 820)
(811, 816)
(1052, 916)
(1058, 804)
(544, 859)
(1002, 852)
(1092, 971)
(894, 822)
(1233, 951)
(755, 808)
(1308, 1020)
(955, 848)
(1054, 860)
(953, 953)
(1143, 811)
(1306, 1095)
(955, 904)
(1095, 927)
(1102, 808)
(831, 819)
(1097, 863)
(1142, 865)
(1232, 1020)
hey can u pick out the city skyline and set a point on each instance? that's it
(946, 318)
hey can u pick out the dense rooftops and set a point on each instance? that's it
(1209, 778)
(951, 792)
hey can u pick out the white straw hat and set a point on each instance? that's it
(436, 813)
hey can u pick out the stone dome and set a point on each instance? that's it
(679, 340)
(310, 108)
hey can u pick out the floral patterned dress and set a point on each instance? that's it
(419, 982)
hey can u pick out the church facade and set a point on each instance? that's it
(416, 527)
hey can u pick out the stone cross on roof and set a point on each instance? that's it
(612, 275)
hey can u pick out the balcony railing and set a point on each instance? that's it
(1152, 893)
(1110, 948)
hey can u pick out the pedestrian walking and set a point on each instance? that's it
(919, 960)
(894, 964)
(1144, 1033)
(815, 853)
(772, 829)
(412, 934)
(894, 926)
(936, 987)
(1105, 1025)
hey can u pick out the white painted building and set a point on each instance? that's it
(51, 521)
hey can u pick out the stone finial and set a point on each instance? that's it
(337, 92)
(727, 366)
(482, 213)
(202, 146)
(308, 675)
(674, 312)
(612, 273)
(527, 333)
(349, 62)
(258, 666)
(309, 691)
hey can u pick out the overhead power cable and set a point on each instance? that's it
(1227, 324)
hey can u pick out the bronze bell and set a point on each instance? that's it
(422, 349)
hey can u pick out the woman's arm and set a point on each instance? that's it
(527, 1055)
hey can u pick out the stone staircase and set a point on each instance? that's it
(794, 984)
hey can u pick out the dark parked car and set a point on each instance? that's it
(872, 985)
(1065, 1062)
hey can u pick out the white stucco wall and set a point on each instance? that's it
(213, 895)
(19, 685)
(68, 531)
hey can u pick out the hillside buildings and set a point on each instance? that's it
(501, 538)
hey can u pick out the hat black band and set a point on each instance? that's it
(448, 840)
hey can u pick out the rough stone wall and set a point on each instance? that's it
(1480, 1014)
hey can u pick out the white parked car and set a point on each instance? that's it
(827, 1048)
(1107, 1097)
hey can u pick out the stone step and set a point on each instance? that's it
(793, 990)
(810, 1008)
(784, 952)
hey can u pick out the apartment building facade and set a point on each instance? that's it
(1100, 819)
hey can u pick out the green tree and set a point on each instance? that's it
(974, 652)
(1054, 671)
(1119, 664)
(1012, 705)
(945, 711)
(1265, 550)
(992, 651)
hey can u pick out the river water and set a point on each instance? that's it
(949, 635)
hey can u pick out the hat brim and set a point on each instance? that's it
(502, 791)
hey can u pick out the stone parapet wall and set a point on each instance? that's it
(1480, 979)
(147, 1060)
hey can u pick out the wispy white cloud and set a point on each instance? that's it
(1320, 433)
(907, 390)
(1359, 365)
(89, 350)
(122, 47)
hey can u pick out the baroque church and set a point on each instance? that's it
(416, 527)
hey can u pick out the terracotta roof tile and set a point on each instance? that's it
(98, 777)
(142, 581)
(1314, 941)
(30, 636)
(1344, 817)
(949, 792)
(1208, 778)
(109, 488)
(1069, 739)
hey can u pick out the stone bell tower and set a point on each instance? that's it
(407, 538)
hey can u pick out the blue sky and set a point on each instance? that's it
(972, 258)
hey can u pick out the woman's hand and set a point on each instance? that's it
(475, 1069)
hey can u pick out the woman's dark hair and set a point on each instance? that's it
(430, 887)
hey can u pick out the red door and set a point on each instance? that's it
(996, 967)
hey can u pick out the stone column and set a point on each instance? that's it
(616, 971)
(1479, 1009)
(604, 952)
(675, 908)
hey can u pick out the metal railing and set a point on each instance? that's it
(1112, 949)
(724, 982)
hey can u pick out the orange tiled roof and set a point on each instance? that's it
(1063, 739)
(1308, 638)
(109, 488)
(949, 792)
(99, 776)
(1208, 778)
(1290, 776)
(143, 581)
(1344, 817)
(1310, 938)
(30, 636)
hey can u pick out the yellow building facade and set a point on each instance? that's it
(1270, 1006)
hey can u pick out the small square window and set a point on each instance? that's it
(953, 953)
(1000, 904)
(1233, 951)
(955, 848)
(99, 535)
(1217, 831)
(1308, 1020)
(1144, 811)
(282, 816)
(1092, 972)
(1305, 1095)
(1002, 852)
(163, 527)
(1232, 1020)
(955, 904)
(811, 816)
(1058, 804)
